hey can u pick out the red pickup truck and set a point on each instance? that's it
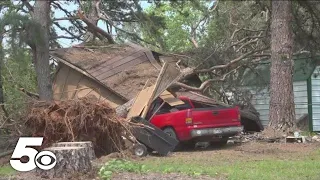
(195, 122)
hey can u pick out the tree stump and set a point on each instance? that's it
(84, 144)
(70, 160)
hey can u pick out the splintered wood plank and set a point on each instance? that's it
(167, 97)
(154, 90)
(140, 102)
(168, 75)
(152, 60)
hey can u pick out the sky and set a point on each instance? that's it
(66, 23)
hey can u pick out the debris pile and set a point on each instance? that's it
(85, 119)
(316, 138)
(256, 137)
(251, 137)
(270, 138)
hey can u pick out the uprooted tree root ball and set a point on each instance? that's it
(84, 119)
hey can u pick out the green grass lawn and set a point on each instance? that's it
(262, 162)
(295, 167)
(6, 170)
(233, 165)
(308, 168)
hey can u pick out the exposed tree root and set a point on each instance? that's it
(78, 120)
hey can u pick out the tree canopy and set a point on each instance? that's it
(218, 40)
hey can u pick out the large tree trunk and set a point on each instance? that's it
(41, 18)
(1, 82)
(282, 108)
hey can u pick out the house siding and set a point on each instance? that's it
(71, 84)
(315, 91)
(261, 100)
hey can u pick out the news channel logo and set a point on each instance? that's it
(44, 160)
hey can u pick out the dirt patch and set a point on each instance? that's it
(31, 175)
(126, 154)
(252, 151)
(277, 148)
(118, 176)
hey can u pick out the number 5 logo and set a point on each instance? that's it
(44, 160)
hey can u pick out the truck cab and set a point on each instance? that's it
(195, 122)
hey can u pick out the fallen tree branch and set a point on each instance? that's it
(103, 16)
(64, 37)
(30, 94)
(93, 28)
(205, 83)
(66, 18)
(192, 37)
(73, 21)
(244, 29)
(231, 62)
(194, 42)
(244, 39)
(190, 71)
(246, 44)
(66, 30)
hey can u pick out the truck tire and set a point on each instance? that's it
(140, 150)
(170, 131)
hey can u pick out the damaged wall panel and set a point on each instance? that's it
(70, 84)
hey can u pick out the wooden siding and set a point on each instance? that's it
(71, 84)
(315, 91)
(261, 100)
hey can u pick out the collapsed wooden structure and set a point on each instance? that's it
(116, 74)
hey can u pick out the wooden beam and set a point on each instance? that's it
(162, 72)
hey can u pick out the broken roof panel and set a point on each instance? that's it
(196, 97)
(123, 68)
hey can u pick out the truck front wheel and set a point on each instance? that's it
(170, 131)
